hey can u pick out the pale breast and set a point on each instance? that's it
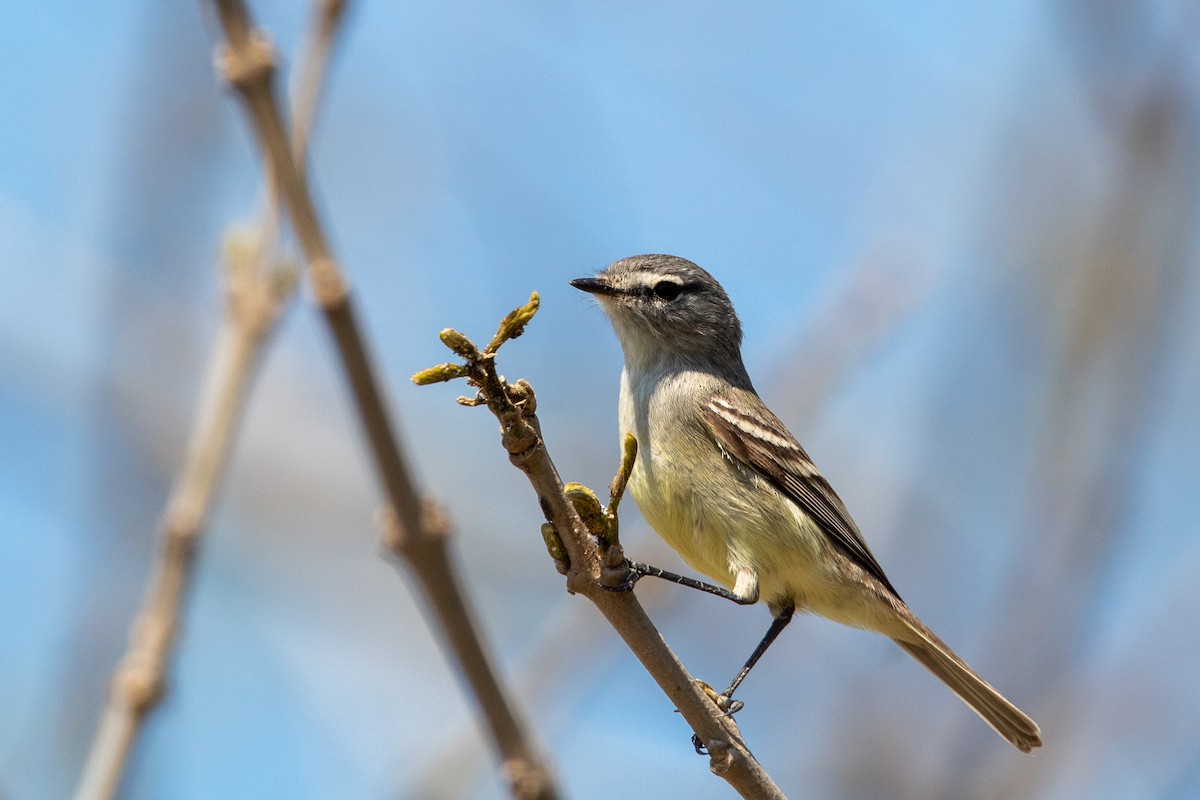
(717, 514)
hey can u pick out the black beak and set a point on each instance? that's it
(594, 286)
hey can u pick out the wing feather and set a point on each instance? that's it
(761, 442)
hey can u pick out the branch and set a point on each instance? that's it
(257, 288)
(137, 683)
(586, 550)
(413, 530)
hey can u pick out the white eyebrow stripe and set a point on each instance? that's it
(645, 282)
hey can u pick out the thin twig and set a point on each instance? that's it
(257, 288)
(412, 530)
(308, 81)
(585, 556)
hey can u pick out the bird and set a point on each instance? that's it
(726, 485)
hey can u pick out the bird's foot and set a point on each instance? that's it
(724, 701)
(621, 578)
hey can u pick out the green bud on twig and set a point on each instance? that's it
(514, 324)
(629, 450)
(439, 374)
(554, 545)
(459, 343)
(587, 505)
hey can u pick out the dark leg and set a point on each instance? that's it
(777, 625)
(637, 571)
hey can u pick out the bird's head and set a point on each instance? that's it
(666, 307)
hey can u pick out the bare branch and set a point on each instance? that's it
(308, 83)
(585, 551)
(257, 288)
(412, 531)
(427, 557)
(254, 303)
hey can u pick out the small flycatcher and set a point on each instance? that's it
(732, 491)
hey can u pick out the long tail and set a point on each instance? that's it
(1007, 720)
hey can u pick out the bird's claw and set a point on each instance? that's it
(723, 701)
(729, 705)
(626, 584)
(629, 578)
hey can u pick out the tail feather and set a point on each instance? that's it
(1007, 720)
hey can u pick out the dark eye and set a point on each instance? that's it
(667, 290)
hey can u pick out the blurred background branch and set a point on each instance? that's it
(414, 530)
(257, 288)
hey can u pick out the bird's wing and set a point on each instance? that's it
(762, 443)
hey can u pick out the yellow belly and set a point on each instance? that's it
(721, 518)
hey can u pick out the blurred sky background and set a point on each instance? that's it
(963, 242)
